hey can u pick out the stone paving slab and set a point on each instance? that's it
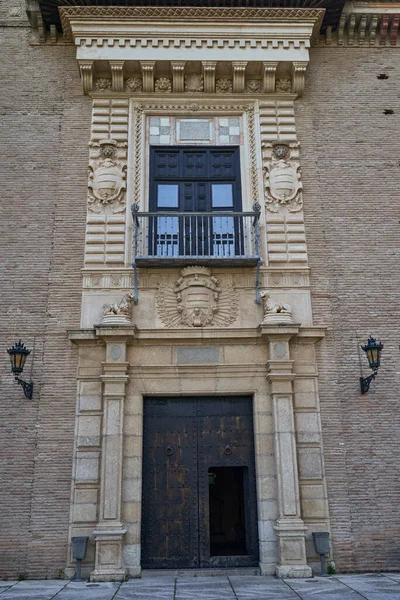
(375, 586)
(322, 588)
(88, 591)
(34, 590)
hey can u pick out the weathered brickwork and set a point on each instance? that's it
(351, 174)
(45, 130)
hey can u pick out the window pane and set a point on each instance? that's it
(222, 195)
(167, 242)
(223, 236)
(167, 195)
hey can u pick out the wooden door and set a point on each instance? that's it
(192, 446)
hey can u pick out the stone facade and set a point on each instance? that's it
(325, 456)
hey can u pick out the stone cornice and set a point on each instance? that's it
(120, 17)
(139, 49)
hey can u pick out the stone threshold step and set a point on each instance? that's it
(200, 572)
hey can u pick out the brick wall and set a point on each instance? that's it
(45, 123)
(350, 163)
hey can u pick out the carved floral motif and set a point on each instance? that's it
(118, 313)
(194, 83)
(275, 312)
(283, 86)
(107, 176)
(103, 84)
(283, 186)
(253, 86)
(196, 300)
(223, 85)
(134, 84)
(163, 84)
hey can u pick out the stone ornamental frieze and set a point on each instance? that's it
(158, 50)
(107, 178)
(196, 300)
(283, 185)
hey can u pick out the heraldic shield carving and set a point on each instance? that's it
(283, 186)
(196, 300)
(107, 176)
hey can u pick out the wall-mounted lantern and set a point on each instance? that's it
(18, 355)
(373, 352)
(79, 547)
(321, 545)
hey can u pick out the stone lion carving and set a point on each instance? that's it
(275, 312)
(118, 312)
(107, 176)
(196, 300)
(283, 185)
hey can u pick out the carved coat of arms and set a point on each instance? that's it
(283, 186)
(107, 176)
(196, 300)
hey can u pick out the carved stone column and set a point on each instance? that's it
(290, 527)
(110, 530)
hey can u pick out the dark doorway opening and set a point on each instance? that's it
(191, 447)
(227, 514)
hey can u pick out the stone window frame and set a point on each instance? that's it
(139, 150)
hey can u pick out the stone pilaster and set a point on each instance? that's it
(86, 67)
(147, 67)
(298, 77)
(239, 75)
(290, 528)
(209, 75)
(110, 530)
(178, 76)
(269, 77)
(117, 75)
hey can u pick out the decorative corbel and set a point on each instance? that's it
(209, 75)
(298, 77)
(269, 77)
(178, 76)
(117, 75)
(86, 68)
(147, 67)
(239, 75)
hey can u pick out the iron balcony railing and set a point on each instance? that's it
(171, 238)
(206, 238)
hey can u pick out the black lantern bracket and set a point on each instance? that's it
(373, 351)
(18, 355)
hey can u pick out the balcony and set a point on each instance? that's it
(174, 239)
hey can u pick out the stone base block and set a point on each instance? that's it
(134, 572)
(293, 571)
(108, 575)
(267, 568)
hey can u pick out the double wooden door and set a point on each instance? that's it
(199, 493)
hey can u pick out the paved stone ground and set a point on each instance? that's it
(339, 587)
